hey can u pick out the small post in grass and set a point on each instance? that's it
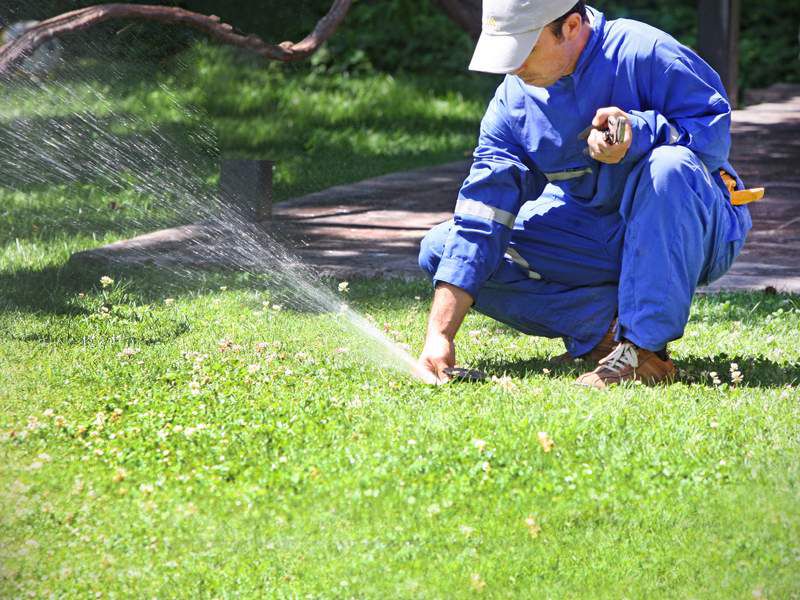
(246, 186)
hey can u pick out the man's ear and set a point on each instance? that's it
(572, 26)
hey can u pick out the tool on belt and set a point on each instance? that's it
(740, 197)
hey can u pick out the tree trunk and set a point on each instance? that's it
(464, 13)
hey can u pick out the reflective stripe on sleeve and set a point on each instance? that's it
(473, 208)
(674, 135)
(517, 258)
(568, 174)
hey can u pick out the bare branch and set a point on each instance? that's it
(14, 51)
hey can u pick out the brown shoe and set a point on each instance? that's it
(627, 362)
(600, 351)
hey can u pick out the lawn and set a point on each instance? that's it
(199, 437)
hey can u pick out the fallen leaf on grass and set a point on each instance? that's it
(477, 582)
(545, 441)
(534, 529)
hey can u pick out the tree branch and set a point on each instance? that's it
(16, 50)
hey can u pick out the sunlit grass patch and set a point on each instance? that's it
(261, 449)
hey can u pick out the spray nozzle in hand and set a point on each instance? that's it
(468, 375)
(615, 134)
(617, 127)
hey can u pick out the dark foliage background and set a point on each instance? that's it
(415, 36)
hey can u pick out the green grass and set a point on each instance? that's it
(140, 457)
(321, 130)
(323, 474)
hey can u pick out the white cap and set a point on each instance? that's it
(511, 29)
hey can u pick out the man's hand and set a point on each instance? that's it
(438, 354)
(450, 305)
(599, 148)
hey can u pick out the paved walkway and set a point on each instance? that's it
(373, 228)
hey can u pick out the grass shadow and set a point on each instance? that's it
(757, 371)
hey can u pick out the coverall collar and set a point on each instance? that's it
(597, 24)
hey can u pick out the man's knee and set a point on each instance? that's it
(432, 247)
(668, 167)
(668, 181)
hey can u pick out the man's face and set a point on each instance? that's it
(552, 58)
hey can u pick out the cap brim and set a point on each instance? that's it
(503, 53)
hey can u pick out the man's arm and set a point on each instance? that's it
(450, 306)
(500, 181)
(687, 107)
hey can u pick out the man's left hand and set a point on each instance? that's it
(599, 148)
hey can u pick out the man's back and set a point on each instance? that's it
(674, 96)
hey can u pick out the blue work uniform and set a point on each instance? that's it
(556, 244)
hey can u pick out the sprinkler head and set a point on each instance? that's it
(462, 374)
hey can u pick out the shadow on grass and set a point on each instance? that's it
(44, 306)
(52, 290)
(758, 372)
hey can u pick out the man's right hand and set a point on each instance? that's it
(438, 354)
(450, 305)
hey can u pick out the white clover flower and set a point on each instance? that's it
(479, 444)
(505, 382)
(736, 374)
(106, 281)
(344, 287)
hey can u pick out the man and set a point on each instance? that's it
(599, 243)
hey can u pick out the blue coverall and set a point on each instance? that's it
(556, 244)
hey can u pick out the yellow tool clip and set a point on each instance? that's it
(740, 197)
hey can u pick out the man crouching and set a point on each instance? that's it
(598, 235)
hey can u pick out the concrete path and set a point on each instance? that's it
(373, 228)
